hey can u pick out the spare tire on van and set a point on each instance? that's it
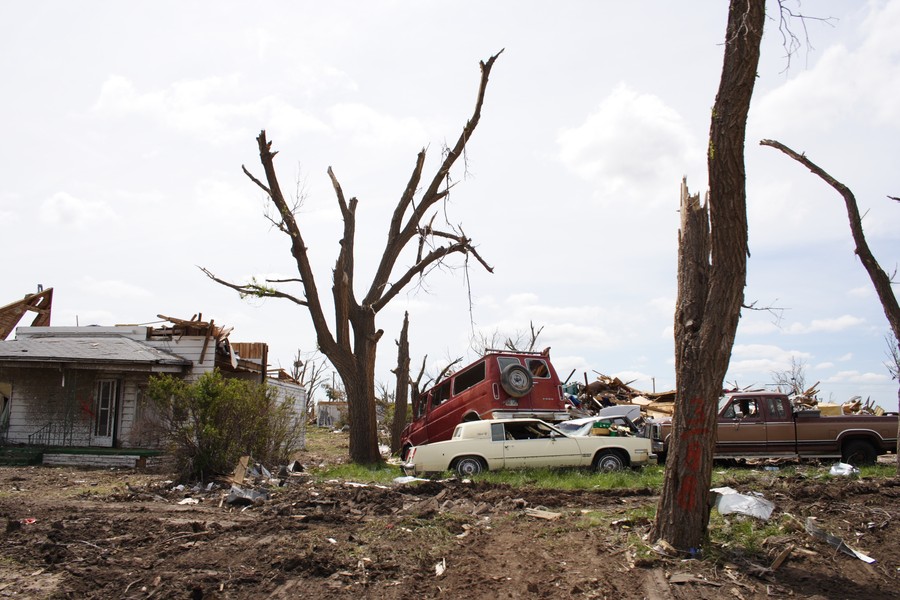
(516, 380)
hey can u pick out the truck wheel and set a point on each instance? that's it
(859, 452)
(608, 460)
(516, 380)
(469, 466)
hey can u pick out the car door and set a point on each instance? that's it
(536, 444)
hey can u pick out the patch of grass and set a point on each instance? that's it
(332, 445)
(381, 474)
(738, 535)
(577, 479)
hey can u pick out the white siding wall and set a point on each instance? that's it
(190, 348)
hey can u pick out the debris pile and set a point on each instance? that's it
(591, 397)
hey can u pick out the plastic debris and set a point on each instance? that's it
(240, 496)
(189, 501)
(727, 500)
(813, 529)
(407, 479)
(843, 469)
(440, 567)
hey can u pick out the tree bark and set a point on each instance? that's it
(711, 278)
(401, 396)
(880, 280)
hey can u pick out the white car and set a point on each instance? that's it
(479, 446)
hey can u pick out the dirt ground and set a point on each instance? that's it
(125, 534)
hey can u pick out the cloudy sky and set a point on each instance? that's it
(125, 126)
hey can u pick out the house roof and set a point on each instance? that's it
(97, 350)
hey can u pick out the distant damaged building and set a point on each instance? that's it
(86, 386)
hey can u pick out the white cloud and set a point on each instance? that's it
(846, 358)
(522, 299)
(762, 359)
(631, 141)
(757, 327)
(113, 289)
(198, 108)
(857, 377)
(864, 291)
(220, 201)
(823, 366)
(826, 325)
(68, 211)
(844, 82)
(373, 129)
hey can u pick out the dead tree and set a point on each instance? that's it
(880, 280)
(350, 341)
(401, 399)
(712, 269)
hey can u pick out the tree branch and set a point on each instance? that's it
(400, 235)
(880, 279)
(254, 289)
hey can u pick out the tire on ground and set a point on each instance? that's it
(858, 452)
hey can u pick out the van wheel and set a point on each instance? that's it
(859, 452)
(609, 460)
(516, 380)
(469, 466)
(404, 452)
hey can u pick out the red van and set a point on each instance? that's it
(500, 385)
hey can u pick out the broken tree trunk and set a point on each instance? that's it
(712, 271)
(401, 395)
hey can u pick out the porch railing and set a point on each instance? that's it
(51, 434)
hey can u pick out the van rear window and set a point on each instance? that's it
(468, 378)
(538, 367)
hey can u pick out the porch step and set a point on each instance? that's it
(14, 456)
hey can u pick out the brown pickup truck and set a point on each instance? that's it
(765, 424)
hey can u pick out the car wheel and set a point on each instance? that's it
(609, 460)
(859, 452)
(469, 466)
(516, 380)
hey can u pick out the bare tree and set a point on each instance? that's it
(519, 341)
(880, 279)
(793, 380)
(351, 340)
(712, 269)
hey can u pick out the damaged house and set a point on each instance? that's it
(84, 387)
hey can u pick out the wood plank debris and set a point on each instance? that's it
(542, 514)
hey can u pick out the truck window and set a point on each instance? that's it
(538, 367)
(742, 408)
(468, 378)
(776, 407)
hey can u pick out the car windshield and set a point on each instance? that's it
(574, 428)
(722, 402)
